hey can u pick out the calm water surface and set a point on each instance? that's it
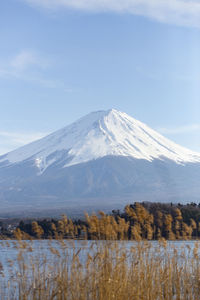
(9, 251)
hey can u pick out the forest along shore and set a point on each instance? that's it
(138, 221)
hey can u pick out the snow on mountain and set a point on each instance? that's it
(100, 134)
(103, 161)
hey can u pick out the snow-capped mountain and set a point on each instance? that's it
(97, 135)
(106, 155)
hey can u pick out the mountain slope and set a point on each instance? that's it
(104, 159)
(97, 135)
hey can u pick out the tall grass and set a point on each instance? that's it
(102, 270)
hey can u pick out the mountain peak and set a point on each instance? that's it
(98, 134)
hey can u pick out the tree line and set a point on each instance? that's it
(138, 221)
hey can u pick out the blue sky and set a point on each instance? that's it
(61, 59)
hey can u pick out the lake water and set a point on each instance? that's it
(14, 255)
(9, 250)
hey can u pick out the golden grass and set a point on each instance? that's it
(102, 270)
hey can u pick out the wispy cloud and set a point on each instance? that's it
(26, 59)
(180, 129)
(12, 140)
(22, 65)
(28, 65)
(179, 12)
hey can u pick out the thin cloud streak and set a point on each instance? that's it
(12, 140)
(180, 130)
(26, 59)
(28, 65)
(178, 12)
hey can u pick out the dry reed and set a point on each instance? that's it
(102, 270)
